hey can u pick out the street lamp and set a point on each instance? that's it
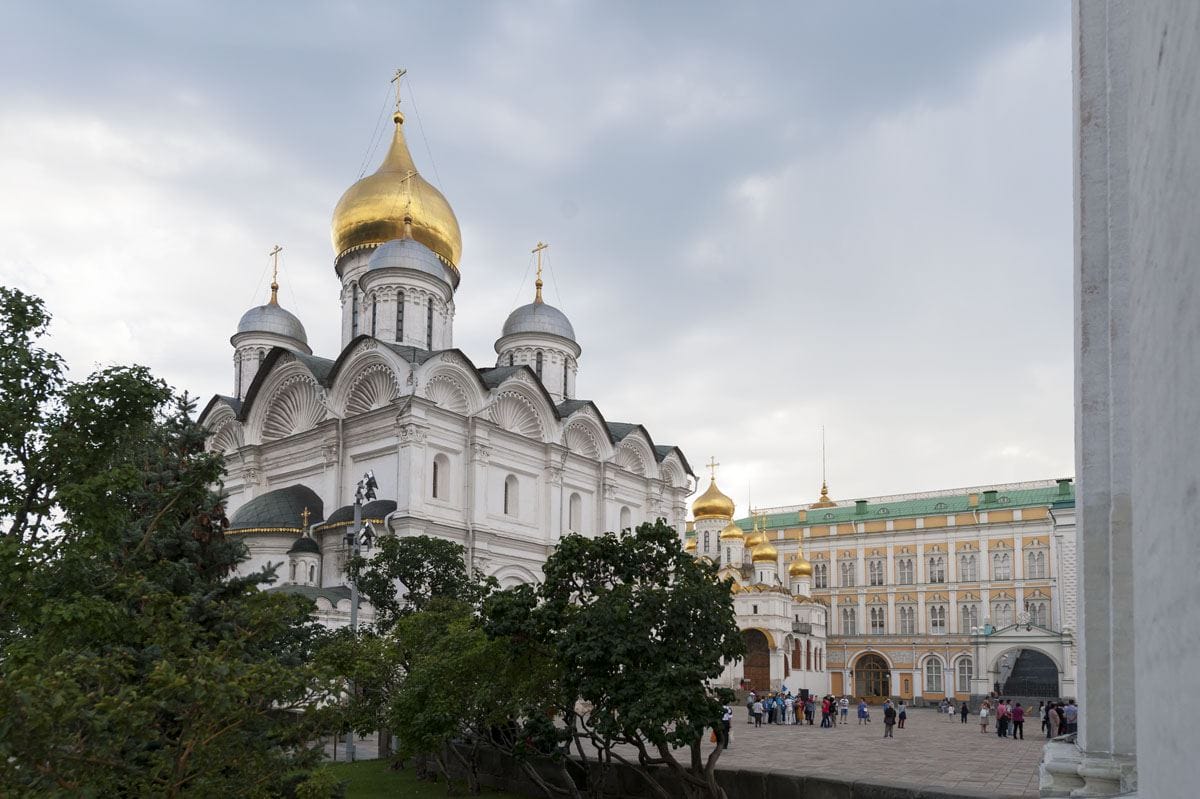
(355, 540)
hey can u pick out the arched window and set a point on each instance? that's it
(238, 387)
(353, 310)
(808, 655)
(821, 575)
(537, 367)
(262, 356)
(965, 671)
(908, 620)
(565, 380)
(312, 574)
(847, 569)
(575, 518)
(797, 655)
(875, 571)
(627, 520)
(429, 325)
(293, 572)
(849, 621)
(400, 316)
(1038, 613)
(937, 569)
(933, 676)
(968, 569)
(878, 621)
(1001, 614)
(1001, 566)
(937, 619)
(707, 535)
(904, 567)
(441, 477)
(510, 495)
(510, 359)
(970, 618)
(374, 314)
(1035, 566)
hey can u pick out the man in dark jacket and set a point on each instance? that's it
(889, 719)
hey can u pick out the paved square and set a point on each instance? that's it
(929, 751)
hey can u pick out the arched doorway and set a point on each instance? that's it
(756, 668)
(872, 677)
(1030, 673)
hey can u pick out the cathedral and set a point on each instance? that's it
(504, 458)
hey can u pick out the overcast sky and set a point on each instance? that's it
(762, 220)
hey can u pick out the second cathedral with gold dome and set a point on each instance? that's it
(783, 627)
(503, 458)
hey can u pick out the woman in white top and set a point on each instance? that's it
(984, 712)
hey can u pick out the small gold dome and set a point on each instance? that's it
(374, 210)
(731, 531)
(765, 552)
(690, 544)
(712, 504)
(800, 567)
(755, 537)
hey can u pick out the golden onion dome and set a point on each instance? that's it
(765, 552)
(374, 210)
(712, 504)
(731, 531)
(800, 567)
(755, 538)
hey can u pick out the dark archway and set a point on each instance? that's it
(1033, 674)
(756, 668)
(872, 677)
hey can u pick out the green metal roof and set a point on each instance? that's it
(1048, 496)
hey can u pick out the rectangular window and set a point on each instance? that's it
(937, 619)
(937, 569)
(1001, 566)
(908, 621)
(905, 568)
(875, 572)
(968, 569)
(847, 569)
(878, 621)
(821, 575)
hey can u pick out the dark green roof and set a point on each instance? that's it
(283, 507)
(377, 509)
(334, 593)
(305, 544)
(1045, 496)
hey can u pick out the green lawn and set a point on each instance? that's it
(370, 779)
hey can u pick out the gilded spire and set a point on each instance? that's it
(541, 245)
(275, 274)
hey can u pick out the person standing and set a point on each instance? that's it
(1002, 719)
(1042, 717)
(1071, 716)
(1018, 721)
(726, 723)
(901, 714)
(758, 713)
(750, 697)
(1055, 714)
(862, 711)
(963, 711)
(844, 709)
(983, 716)
(889, 719)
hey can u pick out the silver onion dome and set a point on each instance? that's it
(412, 255)
(271, 318)
(538, 317)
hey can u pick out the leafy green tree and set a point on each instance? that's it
(133, 661)
(639, 630)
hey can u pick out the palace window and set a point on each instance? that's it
(537, 365)
(970, 617)
(904, 567)
(937, 619)
(937, 569)
(847, 569)
(968, 569)
(908, 620)
(1039, 613)
(511, 488)
(429, 325)
(1001, 566)
(400, 316)
(965, 671)
(933, 676)
(875, 571)
(1035, 565)
(878, 621)
(821, 575)
(849, 621)
(1002, 614)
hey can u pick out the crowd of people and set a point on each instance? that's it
(783, 707)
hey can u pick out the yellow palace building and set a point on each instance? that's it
(952, 593)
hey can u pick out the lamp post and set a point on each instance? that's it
(975, 664)
(355, 539)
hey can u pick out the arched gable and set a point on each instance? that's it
(289, 400)
(512, 575)
(225, 431)
(451, 381)
(672, 471)
(854, 658)
(635, 453)
(520, 408)
(585, 435)
(366, 377)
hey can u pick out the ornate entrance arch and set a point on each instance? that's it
(1030, 672)
(756, 668)
(872, 677)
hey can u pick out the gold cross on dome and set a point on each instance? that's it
(304, 516)
(274, 254)
(712, 467)
(400, 73)
(541, 245)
